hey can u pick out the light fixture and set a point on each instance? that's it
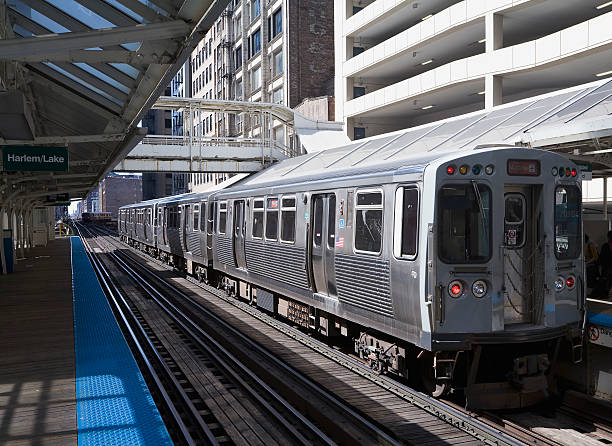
(482, 40)
(605, 73)
(427, 62)
(427, 17)
(479, 288)
(426, 107)
(481, 92)
(603, 5)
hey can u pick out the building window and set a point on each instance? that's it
(258, 219)
(256, 78)
(168, 123)
(272, 219)
(239, 89)
(279, 135)
(255, 42)
(357, 50)
(278, 63)
(288, 219)
(368, 221)
(356, 9)
(237, 27)
(277, 22)
(358, 91)
(359, 133)
(278, 95)
(255, 9)
(238, 57)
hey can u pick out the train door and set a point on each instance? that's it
(145, 224)
(523, 269)
(239, 234)
(156, 218)
(185, 225)
(323, 243)
(210, 219)
(165, 226)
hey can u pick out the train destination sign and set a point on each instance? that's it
(33, 158)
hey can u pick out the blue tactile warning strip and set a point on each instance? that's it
(114, 406)
(600, 319)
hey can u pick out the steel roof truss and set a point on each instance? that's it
(53, 43)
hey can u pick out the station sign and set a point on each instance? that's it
(34, 159)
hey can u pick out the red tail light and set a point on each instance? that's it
(570, 282)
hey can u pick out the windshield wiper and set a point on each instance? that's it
(483, 217)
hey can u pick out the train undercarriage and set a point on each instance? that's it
(485, 376)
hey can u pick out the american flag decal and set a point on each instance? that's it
(339, 242)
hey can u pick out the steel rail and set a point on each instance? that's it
(479, 428)
(197, 334)
(116, 296)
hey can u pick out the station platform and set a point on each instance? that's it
(67, 376)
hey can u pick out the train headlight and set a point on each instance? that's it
(479, 288)
(455, 288)
(559, 283)
(554, 171)
(489, 169)
(570, 282)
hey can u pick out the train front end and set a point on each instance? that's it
(505, 282)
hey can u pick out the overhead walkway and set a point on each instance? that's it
(265, 132)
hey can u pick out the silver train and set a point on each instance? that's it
(462, 269)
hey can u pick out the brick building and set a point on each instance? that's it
(279, 51)
(119, 190)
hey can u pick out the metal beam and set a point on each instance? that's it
(73, 139)
(93, 57)
(188, 167)
(109, 12)
(53, 43)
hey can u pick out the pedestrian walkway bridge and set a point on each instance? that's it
(265, 133)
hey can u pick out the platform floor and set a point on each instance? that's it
(37, 365)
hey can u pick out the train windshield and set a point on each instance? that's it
(464, 212)
(567, 222)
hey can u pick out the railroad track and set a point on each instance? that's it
(489, 427)
(341, 422)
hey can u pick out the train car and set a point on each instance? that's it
(461, 268)
(98, 217)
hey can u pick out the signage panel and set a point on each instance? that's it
(598, 334)
(33, 158)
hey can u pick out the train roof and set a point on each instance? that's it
(415, 148)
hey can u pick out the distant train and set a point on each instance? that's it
(462, 269)
(96, 216)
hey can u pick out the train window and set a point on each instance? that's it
(406, 222)
(222, 217)
(514, 220)
(196, 217)
(318, 221)
(288, 220)
(258, 219)
(568, 204)
(368, 221)
(464, 223)
(272, 218)
(331, 222)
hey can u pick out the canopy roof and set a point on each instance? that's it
(82, 73)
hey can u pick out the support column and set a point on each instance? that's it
(605, 200)
(2, 258)
(21, 232)
(494, 35)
